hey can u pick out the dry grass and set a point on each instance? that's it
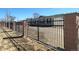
(28, 44)
(5, 45)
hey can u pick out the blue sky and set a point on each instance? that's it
(22, 13)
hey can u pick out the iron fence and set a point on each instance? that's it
(52, 35)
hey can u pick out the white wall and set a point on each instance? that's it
(59, 22)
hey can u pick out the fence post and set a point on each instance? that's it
(23, 28)
(38, 30)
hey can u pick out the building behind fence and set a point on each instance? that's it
(60, 31)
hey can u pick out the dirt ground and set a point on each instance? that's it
(5, 45)
(27, 43)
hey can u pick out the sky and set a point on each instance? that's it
(23, 13)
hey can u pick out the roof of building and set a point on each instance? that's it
(62, 14)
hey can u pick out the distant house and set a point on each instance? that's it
(41, 21)
(55, 20)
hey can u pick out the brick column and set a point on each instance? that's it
(70, 32)
(25, 28)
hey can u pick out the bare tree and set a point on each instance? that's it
(36, 15)
(8, 19)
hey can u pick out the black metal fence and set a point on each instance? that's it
(52, 35)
